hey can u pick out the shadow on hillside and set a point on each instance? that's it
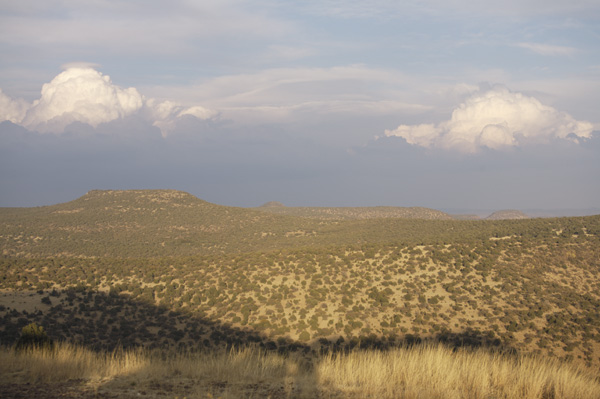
(103, 321)
(106, 321)
(110, 322)
(468, 339)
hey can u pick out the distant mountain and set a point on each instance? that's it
(507, 214)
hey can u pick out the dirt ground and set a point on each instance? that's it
(79, 389)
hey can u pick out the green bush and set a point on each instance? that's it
(304, 336)
(33, 336)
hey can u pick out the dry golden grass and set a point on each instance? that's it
(438, 372)
(418, 372)
(69, 362)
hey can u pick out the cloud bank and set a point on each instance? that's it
(82, 94)
(497, 118)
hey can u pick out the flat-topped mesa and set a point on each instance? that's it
(112, 197)
(162, 193)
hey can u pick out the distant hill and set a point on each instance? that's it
(150, 223)
(355, 213)
(139, 223)
(272, 204)
(159, 223)
(507, 214)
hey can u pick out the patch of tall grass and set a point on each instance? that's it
(438, 372)
(69, 362)
(417, 372)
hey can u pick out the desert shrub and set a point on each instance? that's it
(304, 336)
(33, 336)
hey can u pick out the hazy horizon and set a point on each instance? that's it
(478, 212)
(445, 105)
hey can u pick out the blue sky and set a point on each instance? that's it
(446, 104)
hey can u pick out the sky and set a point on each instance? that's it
(455, 105)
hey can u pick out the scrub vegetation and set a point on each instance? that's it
(161, 274)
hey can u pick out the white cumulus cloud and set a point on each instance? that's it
(83, 95)
(497, 118)
(166, 113)
(12, 110)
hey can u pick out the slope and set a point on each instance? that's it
(351, 213)
(137, 223)
(154, 223)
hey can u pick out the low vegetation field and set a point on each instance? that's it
(136, 281)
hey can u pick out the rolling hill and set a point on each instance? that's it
(164, 269)
(139, 223)
(155, 223)
(353, 213)
(507, 214)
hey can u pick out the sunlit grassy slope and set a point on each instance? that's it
(417, 372)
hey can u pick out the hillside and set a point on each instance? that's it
(154, 223)
(165, 269)
(354, 213)
(272, 204)
(139, 223)
(507, 214)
